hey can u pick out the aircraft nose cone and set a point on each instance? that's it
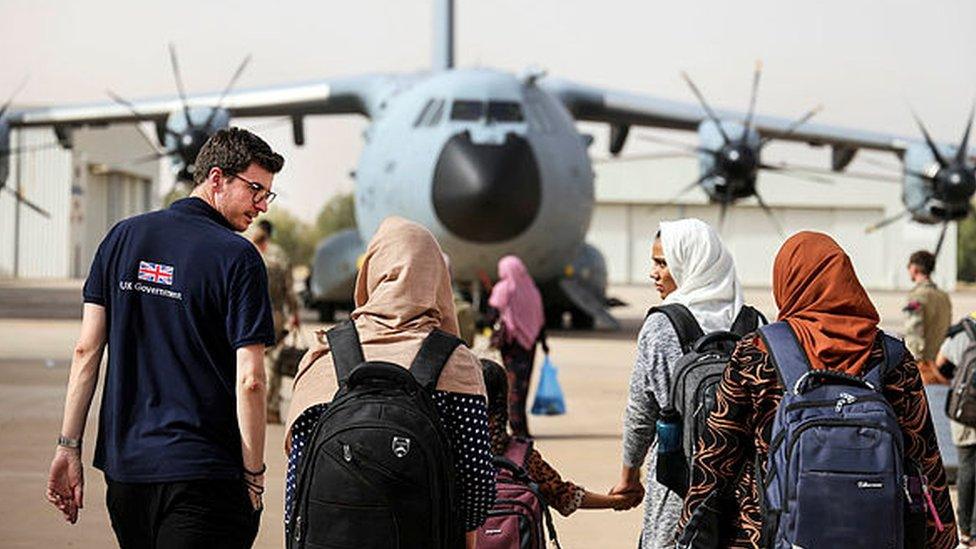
(486, 192)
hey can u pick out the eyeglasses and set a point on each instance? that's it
(258, 191)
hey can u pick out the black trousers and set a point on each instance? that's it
(205, 514)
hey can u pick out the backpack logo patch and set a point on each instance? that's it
(401, 446)
(865, 485)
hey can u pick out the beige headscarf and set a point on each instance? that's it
(403, 292)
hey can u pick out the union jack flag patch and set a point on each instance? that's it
(156, 272)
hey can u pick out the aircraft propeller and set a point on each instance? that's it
(183, 137)
(951, 180)
(737, 161)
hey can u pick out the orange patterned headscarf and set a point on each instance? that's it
(819, 295)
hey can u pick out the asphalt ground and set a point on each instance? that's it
(584, 445)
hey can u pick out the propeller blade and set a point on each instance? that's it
(135, 112)
(796, 174)
(964, 146)
(10, 100)
(174, 62)
(27, 202)
(794, 126)
(674, 199)
(676, 144)
(648, 156)
(752, 98)
(274, 123)
(769, 214)
(929, 141)
(723, 209)
(705, 106)
(920, 175)
(885, 222)
(230, 86)
(825, 171)
(881, 164)
(938, 246)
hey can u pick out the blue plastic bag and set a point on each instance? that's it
(549, 399)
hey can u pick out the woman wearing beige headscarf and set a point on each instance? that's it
(403, 292)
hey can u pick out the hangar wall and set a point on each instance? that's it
(86, 190)
(633, 197)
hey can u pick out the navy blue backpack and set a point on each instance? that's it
(835, 475)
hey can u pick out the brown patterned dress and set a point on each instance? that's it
(738, 432)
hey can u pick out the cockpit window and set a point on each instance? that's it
(467, 110)
(423, 113)
(504, 111)
(435, 116)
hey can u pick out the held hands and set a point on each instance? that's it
(66, 483)
(629, 490)
(626, 500)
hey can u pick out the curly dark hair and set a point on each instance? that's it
(232, 150)
(924, 260)
(496, 385)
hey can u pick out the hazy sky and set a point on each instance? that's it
(864, 60)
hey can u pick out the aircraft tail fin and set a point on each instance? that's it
(443, 45)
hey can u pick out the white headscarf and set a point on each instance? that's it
(703, 269)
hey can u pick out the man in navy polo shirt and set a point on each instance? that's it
(182, 301)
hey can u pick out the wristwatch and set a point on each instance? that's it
(69, 442)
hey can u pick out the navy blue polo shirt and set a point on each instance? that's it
(182, 292)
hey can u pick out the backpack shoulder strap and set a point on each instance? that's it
(784, 350)
(970, 329)
(747, 321)
(894, 352)
(436, 349)
(684, 323)
(518, 451)
(347, 353)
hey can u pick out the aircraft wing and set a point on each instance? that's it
(619, 108)
(349, 95)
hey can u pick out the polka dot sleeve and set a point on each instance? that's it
(465, 419)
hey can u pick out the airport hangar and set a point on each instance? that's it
(86, 190)
(632, 197)
(95, 184)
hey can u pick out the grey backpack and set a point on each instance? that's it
(692, 386)
(961, 400)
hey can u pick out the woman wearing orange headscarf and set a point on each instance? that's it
(819, 296)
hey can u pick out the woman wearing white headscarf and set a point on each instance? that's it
(690, 266)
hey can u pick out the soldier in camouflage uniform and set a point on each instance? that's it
(928, 314)
(284, 304)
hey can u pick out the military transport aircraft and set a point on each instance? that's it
(492, 162)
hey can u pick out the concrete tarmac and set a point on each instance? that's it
(584, 445)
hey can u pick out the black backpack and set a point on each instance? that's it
(378, 471)
(694, 383)
(960, 403)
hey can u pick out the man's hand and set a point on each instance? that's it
(66, 483)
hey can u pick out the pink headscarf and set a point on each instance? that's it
(518, 300)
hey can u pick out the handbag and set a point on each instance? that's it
(549, 399)
(291, 354)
